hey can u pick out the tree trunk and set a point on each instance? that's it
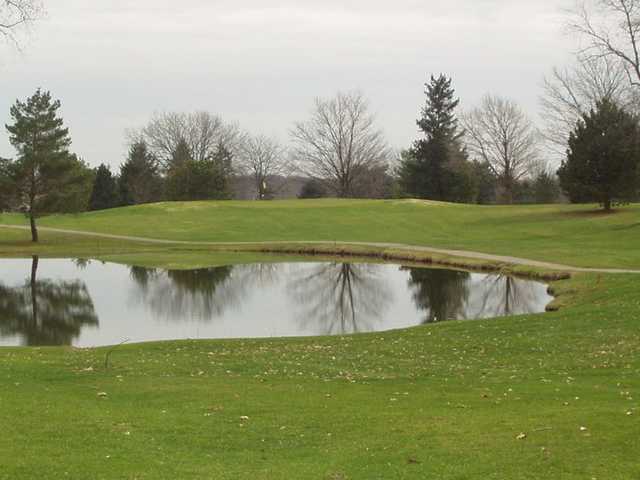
(607, 204)
(34, 229)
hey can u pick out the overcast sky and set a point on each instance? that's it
(260, 63)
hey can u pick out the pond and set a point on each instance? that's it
(90, 303)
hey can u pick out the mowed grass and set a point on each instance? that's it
(543, 396)
(574, 235)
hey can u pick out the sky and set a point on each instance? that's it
(113, 63)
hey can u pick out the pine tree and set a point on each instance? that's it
(139, 181)
(44, 168)
(105, 190)
(603, 159)
(438, 119)
(436, 166)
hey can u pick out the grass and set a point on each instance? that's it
(575, 235)
(554, 395)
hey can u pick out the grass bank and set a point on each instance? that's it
(574, 235)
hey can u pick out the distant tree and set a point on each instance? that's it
(45, 177)
(376, 182)
(17, 14)
(436, 167)
(313, 188)
(104, 194)
(546, 188)
(572, 92)
(139, 181)
(499, 134)
(188, 178)
(260, 158)
(611, 29)
(339, 142)
(603, 159)
(486, 183)
(5, 184)
(203, 133)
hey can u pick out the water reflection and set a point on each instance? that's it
(203, 294)
(442, 294)
(45, 312)
(340, 298)
(456, 295)
(503, 296)
(241, 301)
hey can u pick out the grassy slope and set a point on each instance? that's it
(445, 401)
(566, 234)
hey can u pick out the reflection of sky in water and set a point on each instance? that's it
(245, 301)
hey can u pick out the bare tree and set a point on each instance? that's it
(261, 158)
(610, 29)
(500, 134)
(570, 93)
(203, 132)
(17, 14)
(340, 142)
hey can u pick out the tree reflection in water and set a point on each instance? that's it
(46, 312)
(340, 298)
(202, 294)
(455, 295)
(501, 296)
(442, 294)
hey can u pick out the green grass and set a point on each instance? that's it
(575, 235)
(445, 401)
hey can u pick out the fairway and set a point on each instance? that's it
(554, 395)
(573, 235)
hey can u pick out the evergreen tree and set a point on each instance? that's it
(438, 119)
(139, 181)
(204, 179)
(104, 194)
(436, 166)
(43, 175)
(603, 159)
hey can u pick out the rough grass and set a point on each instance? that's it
(574, 235)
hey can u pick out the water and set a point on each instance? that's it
(90, 303)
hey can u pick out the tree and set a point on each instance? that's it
(16, 14)
(546, 188)
(45, 176)
(436, 167)
(501, 135)
(104, 194)
(313, 188)
(191, 179)
(603, 159)
(611, 29)
(263, 157)
(139, 180)
(338, 141)
(571, 92)
(204, 133)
